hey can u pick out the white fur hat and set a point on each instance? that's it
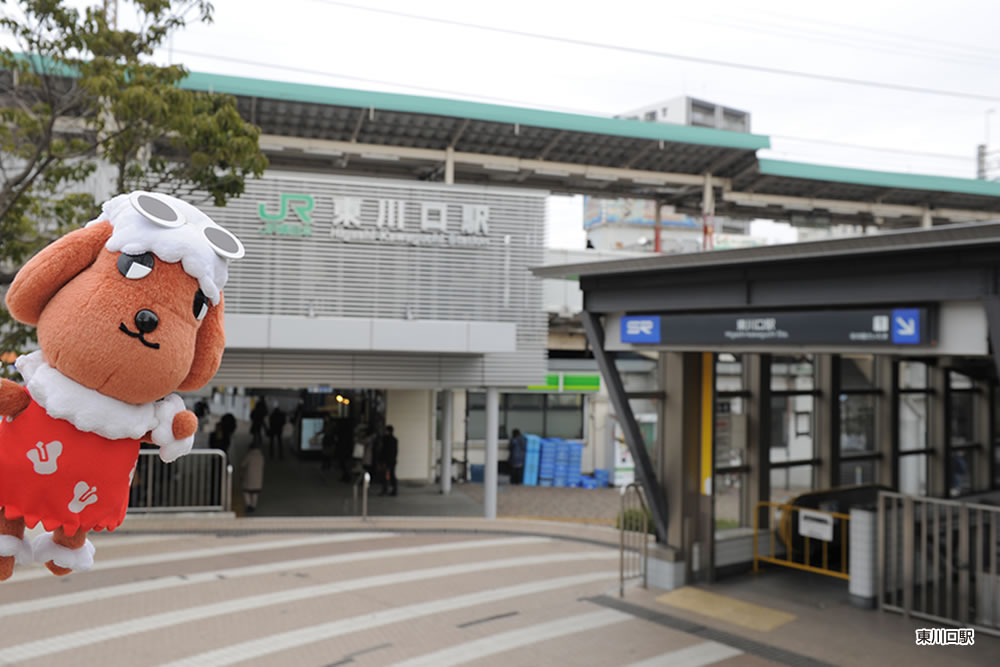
(174, 231)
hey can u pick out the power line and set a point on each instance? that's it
(361, 79)
(881, 149)
(672, 56)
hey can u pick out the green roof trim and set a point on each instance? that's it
(436, 106)
(881, 179)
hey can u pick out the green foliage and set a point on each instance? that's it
(635, 519)
(80, 101)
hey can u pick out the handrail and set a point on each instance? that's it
(363, 481)
(632, 499)
(200, 481)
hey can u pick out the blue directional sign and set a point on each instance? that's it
(640, 329)
(906, 326)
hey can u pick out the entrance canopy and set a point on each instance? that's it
(925, 292)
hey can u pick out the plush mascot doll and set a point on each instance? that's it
(128, 309)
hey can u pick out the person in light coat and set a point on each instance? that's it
(253, 476)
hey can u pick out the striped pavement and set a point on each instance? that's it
(338, 598)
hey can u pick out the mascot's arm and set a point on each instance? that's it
(13, 399)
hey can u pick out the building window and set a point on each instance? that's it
(545, 415)
(963, 445)
(731, 489)
(649, 116)
(791, 454)
(913, 398)
(857, 406)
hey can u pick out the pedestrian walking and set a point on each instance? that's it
(517, 446)
(257, 418)
(276, 424)
(388, 453)
(253, 477)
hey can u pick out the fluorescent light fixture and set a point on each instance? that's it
(501, 167)
(751, 202)
(271, 147)
(323, 151)
(648, 181)
(380, 156)
(551, 172)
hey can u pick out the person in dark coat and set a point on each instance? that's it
(518, 446)
(257, 418)
(387, 457)
(276, 425)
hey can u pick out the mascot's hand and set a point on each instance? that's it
(185, 424)
(13, 399)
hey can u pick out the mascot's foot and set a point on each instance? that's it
(59, 559)
(13, 550)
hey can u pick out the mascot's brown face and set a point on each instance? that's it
(129, 326)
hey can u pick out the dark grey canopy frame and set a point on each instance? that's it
(913, 268)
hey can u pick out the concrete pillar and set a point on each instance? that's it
(446, 440)
(449, 166)
(490, 472)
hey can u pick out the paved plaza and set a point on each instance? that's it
(304, 592)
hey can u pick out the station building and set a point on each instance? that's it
(389, 258)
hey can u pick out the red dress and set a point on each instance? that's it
(53, 473)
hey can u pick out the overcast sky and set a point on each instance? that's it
(917, 43)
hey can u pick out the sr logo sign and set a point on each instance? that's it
(640, 329)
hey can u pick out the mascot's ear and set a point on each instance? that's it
(54, 266)
(208, 349)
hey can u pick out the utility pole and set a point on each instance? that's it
(981, 161)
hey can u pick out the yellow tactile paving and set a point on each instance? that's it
(730, 610)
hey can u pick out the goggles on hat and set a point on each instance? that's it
(158, 209)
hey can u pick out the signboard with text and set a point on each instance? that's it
(892, 327)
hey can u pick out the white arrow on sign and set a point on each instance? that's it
(906, 327)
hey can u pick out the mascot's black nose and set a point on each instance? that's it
(146, 321)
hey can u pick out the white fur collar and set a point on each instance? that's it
(86, 409)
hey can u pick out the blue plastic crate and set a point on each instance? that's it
(476, 472)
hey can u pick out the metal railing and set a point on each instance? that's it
(634, 537)
(201, 481)
(364, 482)
(937, 559)
(803, 551)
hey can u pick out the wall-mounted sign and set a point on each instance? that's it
(377, 220)
(817, 525)
(869, 327)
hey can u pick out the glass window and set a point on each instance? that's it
(913, 474)
(912, 375)
(792, 373)
(853, 473)
(787, 483)
(857, 423)
(959, 381)
(732, 501)
(962, 465)
(857, 372)
(476, 403)
(913, 421)
(728, 372)
(792, 427)
(525, 412)
(730, 432)
(564, 416)
(962, 429)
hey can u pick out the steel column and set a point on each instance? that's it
(490, 472)
(633, 437)
(447, 401)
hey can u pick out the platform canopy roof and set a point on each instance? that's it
(321, 128)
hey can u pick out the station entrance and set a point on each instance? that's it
(816, 375)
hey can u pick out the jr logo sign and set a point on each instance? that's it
(301, 204)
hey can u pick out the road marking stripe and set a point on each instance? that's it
(112, 541)
(698, 655)
(116, 631)
(159, 584)
(506, 641)
(288, 640)
(170, 557)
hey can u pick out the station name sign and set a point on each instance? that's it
(377, 220)
(868, 327)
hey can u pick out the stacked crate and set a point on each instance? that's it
(531, 460)
(547, 462)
